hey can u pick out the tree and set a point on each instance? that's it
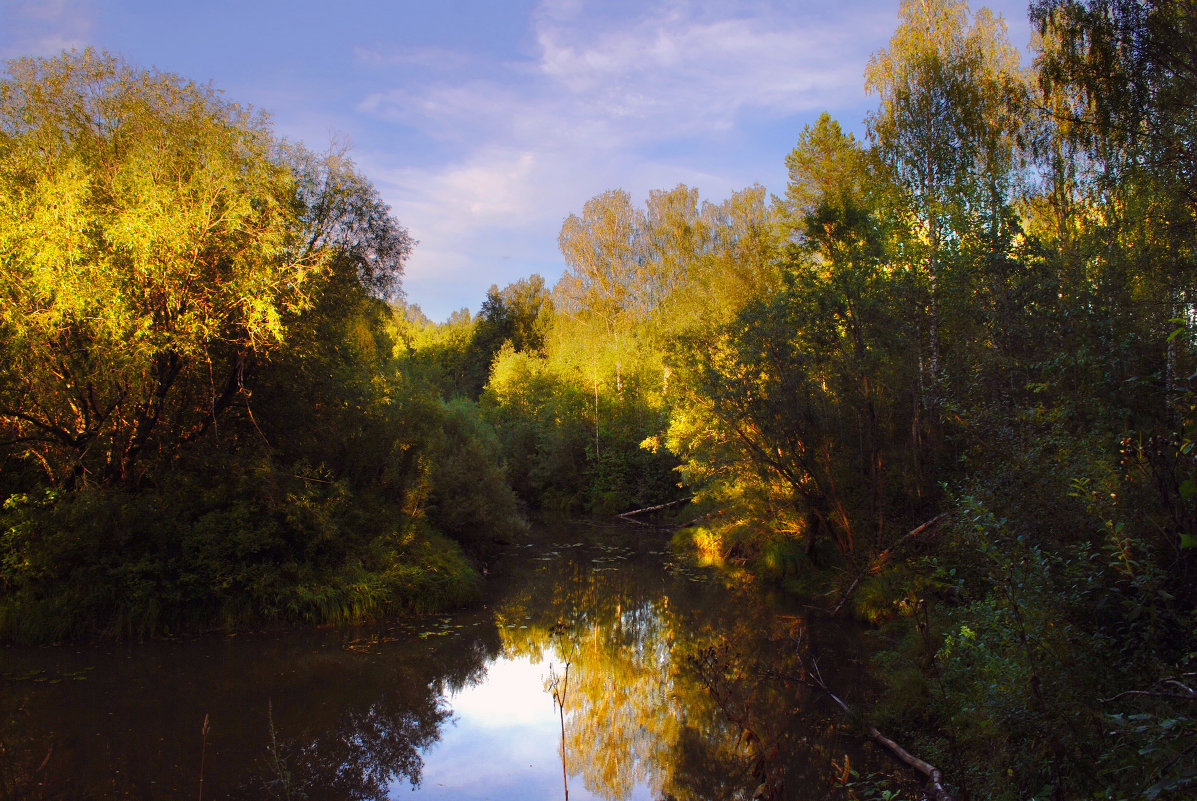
(1133, 68)
(155, 240)
(825, 163)
(675, 235)
(739, 263)
(1120, 78)
(950, 93)
(520, 315)
(602, 250)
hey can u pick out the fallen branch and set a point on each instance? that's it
(658, 508)
(933, 774)
(884, 556)
(1186, 692)
(879, 561)
(847, 593)
(46, 761)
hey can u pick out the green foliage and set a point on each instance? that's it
(1164, 740)
(253, 543)
(469, 498)
(437, 356)
(955, 333)
(570, 447)
(767, 397)
(980, 316)
(541, 422)
(1005, 671)
(196, 348)
(521, 314)
(155, 240)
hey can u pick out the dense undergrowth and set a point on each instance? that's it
(246, 546)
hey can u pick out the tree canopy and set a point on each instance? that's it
(154, 240)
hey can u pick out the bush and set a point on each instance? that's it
(254, 543)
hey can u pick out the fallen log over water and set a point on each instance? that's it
(879, 562)
(657, 508)
(935, 778)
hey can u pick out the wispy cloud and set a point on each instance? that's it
(667, 72)
(604, 90)
(44, 27)
(677, 70)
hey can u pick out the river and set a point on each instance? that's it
(675, 682)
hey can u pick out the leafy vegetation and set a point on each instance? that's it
(978, 319)
(944, 383)
(202, 416)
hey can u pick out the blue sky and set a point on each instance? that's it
(485, 124)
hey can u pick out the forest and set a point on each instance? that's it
(943, 385)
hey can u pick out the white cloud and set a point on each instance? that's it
(604, 91)
(691, 74)
(45, 27)
(643, 79)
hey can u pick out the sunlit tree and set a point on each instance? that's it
(155, 239)
(950, 92)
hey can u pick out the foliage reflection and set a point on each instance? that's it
(680, 684)
(658, 696)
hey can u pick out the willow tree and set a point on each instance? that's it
(155, 239)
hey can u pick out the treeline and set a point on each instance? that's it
(202, 419)
(976, 325)
(574, 380)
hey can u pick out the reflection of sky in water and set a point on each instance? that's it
(357, 711)
(503, 742)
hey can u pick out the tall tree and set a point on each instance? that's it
(949, 89)
(603, 255)
(825, 163)
(1133, 66)
(741, 258)
(154, 240)
(1121, 80)
(799, 405)
(675, 235)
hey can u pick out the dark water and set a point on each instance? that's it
(681, 684)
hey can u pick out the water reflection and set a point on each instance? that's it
(679, 684)
(680, 687)
(126, 722)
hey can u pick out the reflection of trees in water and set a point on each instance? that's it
(359, 758)
(606, 625)
(678, 685)
(643, 707)
(378, 743)
(291, 717)
(620, 717)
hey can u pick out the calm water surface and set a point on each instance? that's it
(680, 685)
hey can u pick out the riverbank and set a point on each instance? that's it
(246, 550)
